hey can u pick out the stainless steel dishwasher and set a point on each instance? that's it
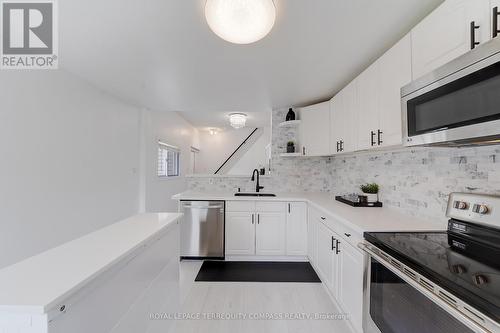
(202, 230)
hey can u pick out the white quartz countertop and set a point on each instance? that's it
(39, 283)
(358, 218)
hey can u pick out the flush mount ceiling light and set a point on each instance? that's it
(238, 120)
(240, 21)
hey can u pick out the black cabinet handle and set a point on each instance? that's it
(338, 149)
(288, 208)
(304, 151)
(323, 218)
(473, 28)
(333, 243)
(379, 132)
(495, 22)
(347, 235)
(372, 138)
(258, 218)
(253, 218)
(341, 145)
(337, 250)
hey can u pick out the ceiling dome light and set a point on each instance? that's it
(240, 21)
(238, 120)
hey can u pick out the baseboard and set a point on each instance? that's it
(268, 258)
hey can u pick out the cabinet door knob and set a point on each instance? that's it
(495, 22)
(473, 28)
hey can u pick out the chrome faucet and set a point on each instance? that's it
(257, 186)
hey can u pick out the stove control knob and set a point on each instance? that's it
(481, 209)
(462, 205)
(458, 269)
(479, 279)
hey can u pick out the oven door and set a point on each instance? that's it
(394, 304)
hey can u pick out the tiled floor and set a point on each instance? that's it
(253, 299)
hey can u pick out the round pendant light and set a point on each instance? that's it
(240, 21)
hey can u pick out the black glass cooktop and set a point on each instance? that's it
(465, 261)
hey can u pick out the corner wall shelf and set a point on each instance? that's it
(291, 123)
(291, 154)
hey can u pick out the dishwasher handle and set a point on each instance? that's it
(202, 207)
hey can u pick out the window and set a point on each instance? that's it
(168, 160)
(194, 158)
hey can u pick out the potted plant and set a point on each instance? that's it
(290, 147)
(371, 191)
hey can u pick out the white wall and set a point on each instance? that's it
(255, 156)
(215, 149)
(69, 158)
(171, 128)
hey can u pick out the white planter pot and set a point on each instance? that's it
(371, 197)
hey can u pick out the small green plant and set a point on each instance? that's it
(370, 188)
(290, 143)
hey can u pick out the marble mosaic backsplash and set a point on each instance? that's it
(415, 181)
(418, 181)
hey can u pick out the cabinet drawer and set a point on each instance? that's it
(270, 206)
(240, 206)
(350, 235)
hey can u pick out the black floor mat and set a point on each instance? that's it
(243, 271)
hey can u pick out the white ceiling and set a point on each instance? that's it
(220, 120)
(160, 54)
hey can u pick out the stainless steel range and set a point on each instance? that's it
(437, 281)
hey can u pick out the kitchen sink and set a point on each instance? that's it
(239, 194)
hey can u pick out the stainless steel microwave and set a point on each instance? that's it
(457, 104)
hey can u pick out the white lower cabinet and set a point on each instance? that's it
(270, 234)
(312, 235)
(349, 292)
(326, 260)
(240, 233)
(266, 228)
(296, 229)
(339, 265)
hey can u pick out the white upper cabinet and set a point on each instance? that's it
(343, 109)
(495, 18)
(446, 33)
(395, 72)
(315, 129)
(368, 107)
(379, 98)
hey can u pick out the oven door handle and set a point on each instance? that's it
(459, 311)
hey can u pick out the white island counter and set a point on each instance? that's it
(46, 292)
